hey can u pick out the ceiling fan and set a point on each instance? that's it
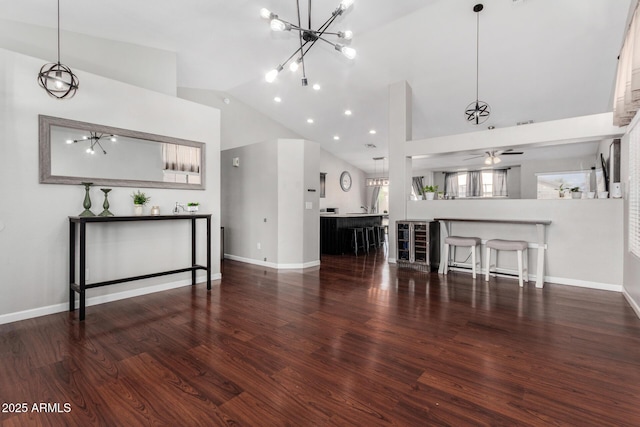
(492, 157)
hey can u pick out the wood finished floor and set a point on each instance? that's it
(354, 343)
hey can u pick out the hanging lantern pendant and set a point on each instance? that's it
(58, 79)
(478, 111)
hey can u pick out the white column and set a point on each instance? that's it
(400, 126)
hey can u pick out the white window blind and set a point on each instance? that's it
(634, 191)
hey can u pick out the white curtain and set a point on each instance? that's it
(451, 184)
(626, 99)
(474, 184)
(181, 158)
(418, 185)
(374, 199)
(500, 183)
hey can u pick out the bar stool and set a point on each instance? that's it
(359, 241)
(370, 234)
(509, 245)
(380, 235)
(473, 243)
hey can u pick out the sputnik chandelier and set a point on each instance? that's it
(58, 79)
(94, 139)
(478, 111)
(308, 37)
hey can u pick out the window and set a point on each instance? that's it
(486, 184)
(634, 191)
(551, 185)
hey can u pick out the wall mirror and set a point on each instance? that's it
(72, 152)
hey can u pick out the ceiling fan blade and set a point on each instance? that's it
(512, 152)
(474, 157)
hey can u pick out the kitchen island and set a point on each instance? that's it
(335, 237)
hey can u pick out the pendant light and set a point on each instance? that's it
(58, 79)
(478, 111)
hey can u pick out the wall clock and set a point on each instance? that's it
(345, 181)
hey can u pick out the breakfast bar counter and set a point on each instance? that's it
(334, 235)
(540, 244)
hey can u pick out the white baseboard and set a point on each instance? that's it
(634, 305)
(552, 279)
(583, 284)
(58, 308)
(273, 265)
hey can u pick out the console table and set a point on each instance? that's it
(77, 222)
(540, 231)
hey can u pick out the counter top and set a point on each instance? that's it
(348, 215)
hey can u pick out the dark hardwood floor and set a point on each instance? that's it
(355, 342)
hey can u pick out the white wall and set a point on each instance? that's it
(249, 197)
(584, 246)
(346, 201)
(33, 216)
(144, 67)
(298, 227)
(271, 183)
(241, 124)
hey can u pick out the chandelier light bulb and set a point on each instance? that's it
(346, 4)
(278, 25)
(294, 66)
(347, 51)
(487, 161)
(271, 75)
(113, 138)
(265, 13)
(69, 141)
(347, 35)
(496, 160)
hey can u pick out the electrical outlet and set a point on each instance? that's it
(259, 246)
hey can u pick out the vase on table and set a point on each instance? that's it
(105, 205)
(137, 209)
(87, 200)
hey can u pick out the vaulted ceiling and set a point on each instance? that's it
(539, 60)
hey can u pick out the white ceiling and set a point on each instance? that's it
(540, 60)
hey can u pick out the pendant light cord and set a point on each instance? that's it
(477, 55)
(58, 31)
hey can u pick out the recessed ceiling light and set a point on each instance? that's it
(316, 86)
(277, 99)
(372, 131)
(337, 138)
(309, 120)
(347, 112)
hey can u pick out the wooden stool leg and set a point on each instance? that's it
(488, 261)
(446, 258)
(526, 265)
(473, 261)
(520, 273)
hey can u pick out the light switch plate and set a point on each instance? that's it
(308, 205)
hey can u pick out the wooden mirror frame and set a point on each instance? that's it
(46, 122)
